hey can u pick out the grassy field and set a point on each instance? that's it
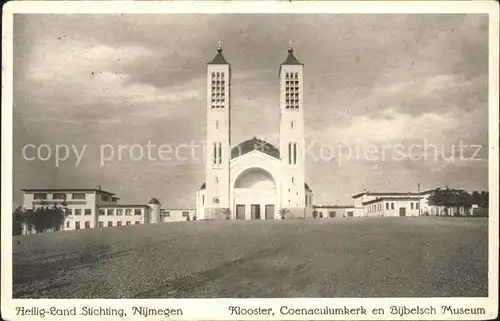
(357, 257)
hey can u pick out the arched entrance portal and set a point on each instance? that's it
(255, 195)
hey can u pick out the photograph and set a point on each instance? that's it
(251, 155)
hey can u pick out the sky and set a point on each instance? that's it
(398, 83)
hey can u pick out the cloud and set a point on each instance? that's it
(388, 126)
(383, 79)
(72, 59)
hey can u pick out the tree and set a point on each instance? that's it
(484, 199)
(481, 199)
(451, 198)
(44, 218)
(283, 213)
(476, 198)
(18, 220)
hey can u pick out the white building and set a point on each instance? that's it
(336, 211)
(94, 207)
(254, 179)
(396, 203)
(378, 204)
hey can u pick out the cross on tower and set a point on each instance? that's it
(290, 49)
(219, 45)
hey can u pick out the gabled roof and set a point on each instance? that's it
(255, 144)
(291, 60)
(218, 59)
(154, 200)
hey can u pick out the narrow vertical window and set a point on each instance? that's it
(290, 153)
(215, 154)
(292, 124)
(220, 153)
(295, 153)
(217, 124)
(293, 180)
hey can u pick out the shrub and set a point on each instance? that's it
(282, 213)
(43, 219)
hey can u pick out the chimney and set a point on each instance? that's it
(98, 187)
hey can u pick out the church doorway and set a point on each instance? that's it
(240, 212)
(269, 212)
(255, 211)
(254, 195)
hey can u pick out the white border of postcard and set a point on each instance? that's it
(217, 309)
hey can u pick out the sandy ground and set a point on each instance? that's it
(355, 257)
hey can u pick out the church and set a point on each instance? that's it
(251, 180)
(254, 180)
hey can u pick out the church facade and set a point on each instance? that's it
(254, 179)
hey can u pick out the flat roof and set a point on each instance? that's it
(333, 206)
(391, 193)
(121, 205)
(65, 190)
(391, 199)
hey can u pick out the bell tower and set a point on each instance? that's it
(218, 138)
(292, 142)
